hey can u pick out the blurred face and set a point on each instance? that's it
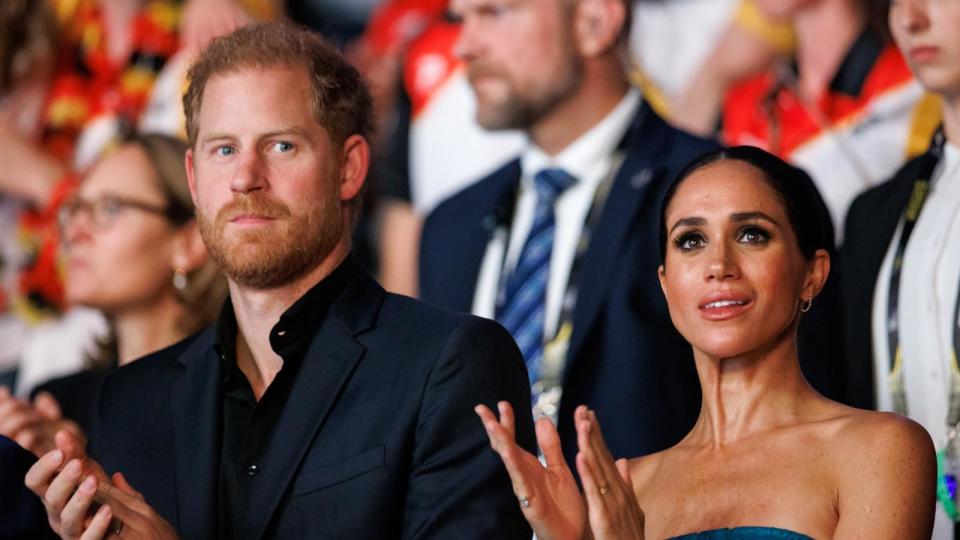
(926, 32)
(520, 58)
(733, 274)
(118, 250)
(264, 175)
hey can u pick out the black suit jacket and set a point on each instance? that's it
(21, 512)
(871, 223)
(378, 438)
(625, 359)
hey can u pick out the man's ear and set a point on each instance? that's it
(191, 180)
(597, 25)
(353, 167)
(189, 251)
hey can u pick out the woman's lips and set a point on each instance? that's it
(924, 53)
(720, 307)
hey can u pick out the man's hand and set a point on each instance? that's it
(83, 503)
(71, 485)
(138, 518)
(33, 426)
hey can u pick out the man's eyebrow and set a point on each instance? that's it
(292, 130)
(688, 221)
(286, 131)
(215, 137)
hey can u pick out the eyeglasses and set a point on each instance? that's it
(103, 212)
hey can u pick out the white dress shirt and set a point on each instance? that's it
(928, 292)
(590, 159)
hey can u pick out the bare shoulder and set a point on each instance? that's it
(881, 435)
(885, 468)
(643, 469)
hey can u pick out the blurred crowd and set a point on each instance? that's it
(101, 261)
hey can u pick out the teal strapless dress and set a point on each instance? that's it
(744, 533)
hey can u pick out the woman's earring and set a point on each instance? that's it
(179, 279)
(806, 305)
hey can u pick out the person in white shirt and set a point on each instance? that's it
(559, 245)
(901, 260)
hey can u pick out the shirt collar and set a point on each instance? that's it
(857, 64)
(595, 146)
(293, 333)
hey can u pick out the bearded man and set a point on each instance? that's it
(318, 406)
(561, 244)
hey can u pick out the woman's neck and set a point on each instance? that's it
(750, 394)
(825, 32)
(143, 331)
(951, 117)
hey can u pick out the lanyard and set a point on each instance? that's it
(546, 389)
(918, 197)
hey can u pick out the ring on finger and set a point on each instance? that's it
(604, 489)
(524, 501)
(118, 529)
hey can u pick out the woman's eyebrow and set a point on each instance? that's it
(751, 216)
(688, 221)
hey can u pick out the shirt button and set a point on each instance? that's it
(252, 470)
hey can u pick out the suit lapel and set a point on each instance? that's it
(494, 210)
(329, 361)
(195, 401)
(629, 188)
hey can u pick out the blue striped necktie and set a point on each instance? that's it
(521, 307)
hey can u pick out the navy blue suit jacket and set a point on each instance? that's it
(21, 512)
(378, 438)
(625, 359)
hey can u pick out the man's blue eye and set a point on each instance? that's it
(225, 150)
(283, 146)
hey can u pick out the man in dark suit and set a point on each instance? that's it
(318, 406)
(603, 334)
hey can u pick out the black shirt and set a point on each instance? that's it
(247, 424)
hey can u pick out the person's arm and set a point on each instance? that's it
(749, 45)
(457, 487)
(887, 480)
(28, 172)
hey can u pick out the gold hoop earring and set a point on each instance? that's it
(179, 279)
(806, 305)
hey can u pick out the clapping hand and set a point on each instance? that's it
(612, 505)
(82, 502)
(548, 495)
(33, 426)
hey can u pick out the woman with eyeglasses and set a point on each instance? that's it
(132, 251)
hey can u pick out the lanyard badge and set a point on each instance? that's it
(948, 471)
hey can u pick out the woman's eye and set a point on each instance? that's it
(753, 235)
(689, 242)
(282, 146)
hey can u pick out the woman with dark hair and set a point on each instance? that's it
(745, 252)
(133, 252)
